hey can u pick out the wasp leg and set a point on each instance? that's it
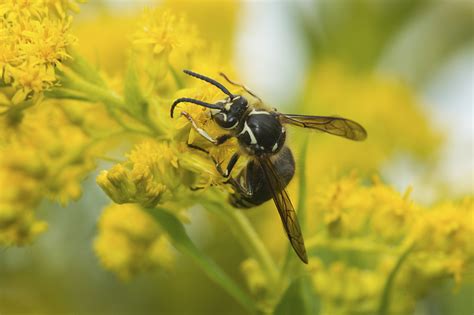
(230, 166)
(241, 86)
(192, 146)
(220, 140)
(240, 189)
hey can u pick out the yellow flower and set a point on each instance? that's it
(373, 224)
(33, 43)
(256, 280)
(130, 242)
(20, 179)
(162, 32)
(46, 156)
(157, 173)
(446, 231)
(345, 289)
(63, 6)
(164, 41)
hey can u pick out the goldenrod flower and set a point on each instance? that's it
(345, 289)
(256, 280)
(157, 173)
(33, 42)
(446, 231)
(164, 41)
(130, 241)
(377, 221)
(20, 179)
(163, 31)
(46, 156)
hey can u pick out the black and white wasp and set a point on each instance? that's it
(261, 135)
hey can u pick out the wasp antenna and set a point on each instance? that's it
(194, 101)
(240, 85)
(209, 80)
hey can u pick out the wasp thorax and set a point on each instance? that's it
(231, 113)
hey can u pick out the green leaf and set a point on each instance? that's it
(299, 298)
(134, 98)
(184, 244)
(60, 93)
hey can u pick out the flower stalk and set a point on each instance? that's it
(248, 237)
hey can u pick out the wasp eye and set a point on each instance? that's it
(225, 120)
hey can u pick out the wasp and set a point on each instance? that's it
(261, 135)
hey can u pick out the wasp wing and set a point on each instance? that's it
(333, 125)
(284, 206)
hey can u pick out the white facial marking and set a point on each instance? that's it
(227, 106)
(246, 129)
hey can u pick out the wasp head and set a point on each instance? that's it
(231, 112)
(226, 113)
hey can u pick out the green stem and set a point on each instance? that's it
(94, 92)
(302, 191)
(184, 244)
(76, 83)
(385, 298)
(248, 238)
(177, 79)
(18, 109)
(306, 287)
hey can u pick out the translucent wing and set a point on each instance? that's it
(285, 208)
(334, 125)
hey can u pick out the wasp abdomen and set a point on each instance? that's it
(253, 189)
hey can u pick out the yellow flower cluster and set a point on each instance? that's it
(446, 231)
(345, 289)
(151, 175)
(370, 226)
(20, 173)
(158, 173)
(130, 241)
(34, 40)
(256, 280)
(46, 156)
(376, 206)
(164, 42)
(164, 33)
